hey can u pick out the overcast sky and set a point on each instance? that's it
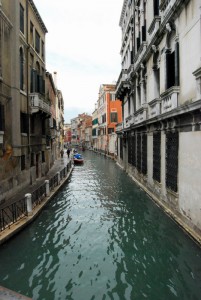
(83, 46)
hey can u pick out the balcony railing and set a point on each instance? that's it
(141, 114)
(129, 121)
(122, 83)
(169, 99)
(140, 54)
(119, 127)
(154, 108)
(154, 27)
(121, 79)
(38, 103)
(168, 6)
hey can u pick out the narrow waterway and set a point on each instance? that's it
(102, 238)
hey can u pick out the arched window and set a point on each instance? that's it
(172, 59)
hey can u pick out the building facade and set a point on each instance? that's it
(160, 90)
(105, 118)
(24, 107)
(95, 128)
(67, 134)
(51, 94)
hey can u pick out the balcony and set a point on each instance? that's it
(169, 99)
(170, 7)
(166, 6)
(38, 103)
(154, 27)
(141, 114)
(140, 53)
(154, 108)
(129, 121)
(122, 84)
(119, 127)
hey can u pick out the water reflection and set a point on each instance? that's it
(102, 238)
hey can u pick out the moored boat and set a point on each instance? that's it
(78, 159)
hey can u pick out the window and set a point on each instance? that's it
(43, 156)
(156, 7)
(95, 121)
(22, 162)
(104, 118)
(2, 118)
(112, 97)
(43, 50)
(129, 105)
(113, 117)
(37, 42)
(139, 152)
(21, 18)
(110, 130)
(24, 123)
(94, 132)
(144, 32)
(31, 33)
(172, 148)
(157, 156)
(170, 68)
(21, 70)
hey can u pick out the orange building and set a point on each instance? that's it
(109, 114)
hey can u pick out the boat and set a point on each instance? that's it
(78, 159)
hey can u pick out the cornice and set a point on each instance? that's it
(38, 16)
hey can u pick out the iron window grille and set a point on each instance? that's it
(172, 147)
(157, 156)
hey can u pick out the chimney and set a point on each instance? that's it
(55, 79)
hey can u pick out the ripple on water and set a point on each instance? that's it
(102, 238)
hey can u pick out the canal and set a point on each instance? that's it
(102, 238)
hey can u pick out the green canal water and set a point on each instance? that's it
(102, 238)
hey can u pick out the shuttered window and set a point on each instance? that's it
(21, 18)
(2, 118)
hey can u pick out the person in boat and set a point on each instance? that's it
(78, 156)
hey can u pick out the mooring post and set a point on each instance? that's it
(47, 187)
(29, 204)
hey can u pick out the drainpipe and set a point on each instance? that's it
(134, 55)
(27, 58)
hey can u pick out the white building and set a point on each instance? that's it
(160, 89)
(74, 131)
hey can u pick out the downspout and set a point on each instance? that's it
(134, 94)
(27, 58)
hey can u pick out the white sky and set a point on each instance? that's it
(83, 46)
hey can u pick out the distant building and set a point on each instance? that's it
(67, 134)
(95, 130)
(85, 130)
(74, 131)
(51, 130)
(107, 115)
